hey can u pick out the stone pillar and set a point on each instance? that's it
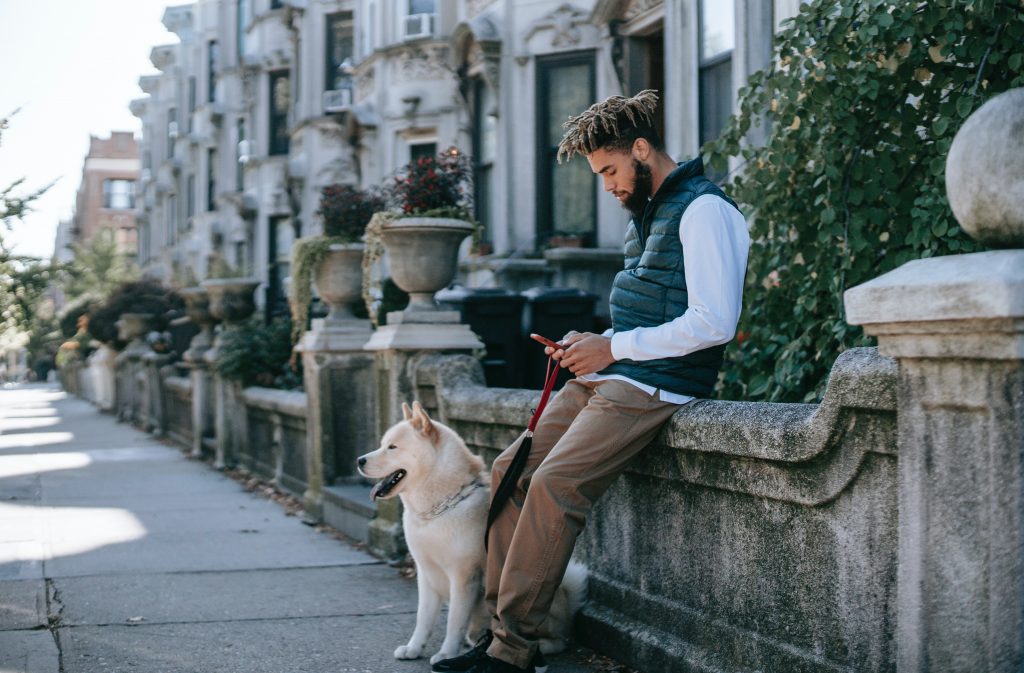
(197, 302)
(155, 411)
(231, 301)
(397, 347)
(956, 325)
(339, 383)
(131, 328)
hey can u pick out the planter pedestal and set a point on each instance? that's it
(398, 346)
(340, 425)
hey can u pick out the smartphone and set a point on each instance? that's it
(547, 342)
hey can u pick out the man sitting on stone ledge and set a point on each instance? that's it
(673, 310)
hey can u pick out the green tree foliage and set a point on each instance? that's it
(143, 296)
(859, 108)
(24, 307)
(257, 354)
(97, 269)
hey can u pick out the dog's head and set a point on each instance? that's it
(407, 452)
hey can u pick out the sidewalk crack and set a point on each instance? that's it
(54, 618)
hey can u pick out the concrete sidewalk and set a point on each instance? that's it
(117, 553)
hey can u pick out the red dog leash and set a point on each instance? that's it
(515, 469)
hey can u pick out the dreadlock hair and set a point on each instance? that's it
(613, 124)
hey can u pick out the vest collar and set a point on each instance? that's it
(683, 171)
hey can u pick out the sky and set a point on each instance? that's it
(72, 67)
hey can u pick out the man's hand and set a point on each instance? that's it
(584, 352)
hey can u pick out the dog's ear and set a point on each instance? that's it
(406, 412)
(423, 424)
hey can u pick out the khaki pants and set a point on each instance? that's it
(585, 438)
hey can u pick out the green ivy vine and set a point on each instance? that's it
(838, 155)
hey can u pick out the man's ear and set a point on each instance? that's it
(641, 150)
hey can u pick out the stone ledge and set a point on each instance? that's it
(180, 385)
(800, 453)
(286, 402)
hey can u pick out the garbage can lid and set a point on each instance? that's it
(459, 294)
(552, 294)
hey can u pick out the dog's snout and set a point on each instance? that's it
(362, 461)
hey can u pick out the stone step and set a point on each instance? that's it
(348, 508)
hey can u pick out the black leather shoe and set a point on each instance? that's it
(467, 660)
(492, 665)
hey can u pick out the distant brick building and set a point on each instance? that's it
(106, 195)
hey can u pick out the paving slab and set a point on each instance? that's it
(299, 548)
(262, 594)
(28, 652)
(22, 604)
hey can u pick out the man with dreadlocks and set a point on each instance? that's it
(674, 308)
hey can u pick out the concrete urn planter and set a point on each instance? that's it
(197, 307)
(339, 279)
(133, 326)
(423, 253)
(231, 299)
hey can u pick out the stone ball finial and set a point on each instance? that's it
(985, 172)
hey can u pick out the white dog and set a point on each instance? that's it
(445, 491)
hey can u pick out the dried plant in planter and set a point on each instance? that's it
(345, 212)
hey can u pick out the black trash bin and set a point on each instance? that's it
(551, 312)
(495, 315)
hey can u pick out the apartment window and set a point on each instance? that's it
(190, 196)
(280, 98)
(171, 231)
(172, 130)
(119, 194)
(716, 42)
(191, 100)
(566, 193)
(239, 167)
(241, 19)
(485, 149)
(419, 150)
(276, 4)
(282, 236)
(339, 50)
(421, 20)
(211, 180)
(212, 66)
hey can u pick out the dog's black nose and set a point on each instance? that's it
(361, 461)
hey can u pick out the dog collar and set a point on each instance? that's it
(451, 501)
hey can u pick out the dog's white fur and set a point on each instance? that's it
(446, 493)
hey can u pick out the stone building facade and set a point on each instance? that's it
(106, 195)
(264, 102)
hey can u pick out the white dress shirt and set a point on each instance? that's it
(715, 245)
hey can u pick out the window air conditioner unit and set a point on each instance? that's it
(172, 129)
(246, 149)
(419, 25)
(337, 100)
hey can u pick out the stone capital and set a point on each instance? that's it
(961, 306)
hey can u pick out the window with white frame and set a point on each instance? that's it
(567, 193)
(339, 50)
(717, 39)
(119, 194)
(421, 19)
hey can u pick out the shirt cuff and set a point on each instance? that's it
(622, 347)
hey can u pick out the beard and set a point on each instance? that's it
(642, 183)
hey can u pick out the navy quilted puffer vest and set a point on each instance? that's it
(651, 290)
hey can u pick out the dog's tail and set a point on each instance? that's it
(571, 595)
(575, 585)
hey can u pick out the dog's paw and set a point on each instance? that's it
(408, 652)
(441, 656)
